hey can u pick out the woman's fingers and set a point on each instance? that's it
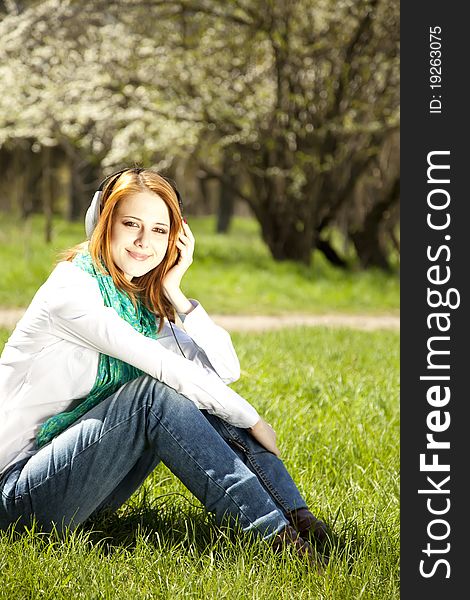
(187, 234)
(186, 252)
(185, 241)
(266, 436)
(187, 230)
(184, 244)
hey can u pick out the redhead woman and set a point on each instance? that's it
(98, 384)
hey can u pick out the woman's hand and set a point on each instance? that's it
(265, 435)
(172, 281)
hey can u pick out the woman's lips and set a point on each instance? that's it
(137, 256)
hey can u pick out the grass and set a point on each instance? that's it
(332, 396)
(231, 274)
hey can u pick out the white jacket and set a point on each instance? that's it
(52, 356)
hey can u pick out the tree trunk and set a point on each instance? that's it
(226, 198)
(287, 238)
(367, 240)
(225, 209)
(369, 249)
(75, 194)
(331, 255)
(25, 171)
(205, 192)
(84, 178)
(46, 190)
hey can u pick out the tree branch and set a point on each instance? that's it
(214, 173)
(347, 70)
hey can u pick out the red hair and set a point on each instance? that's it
(148, 288)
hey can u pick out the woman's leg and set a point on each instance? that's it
(146, 464)
(67, 480)
(275, 478)
(269, 469)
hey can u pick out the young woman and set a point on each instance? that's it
(97, 385)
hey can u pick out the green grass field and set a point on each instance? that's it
(231, 274)
(332, 396)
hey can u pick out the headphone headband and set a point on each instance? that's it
(115, 174)
(93, 212)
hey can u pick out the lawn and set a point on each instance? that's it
(332, 396)
(231, 274)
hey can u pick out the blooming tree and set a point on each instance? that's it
(288, 104)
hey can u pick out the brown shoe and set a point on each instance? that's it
(309, 527)
(290, 538)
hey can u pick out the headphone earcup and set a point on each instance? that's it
(92, 214)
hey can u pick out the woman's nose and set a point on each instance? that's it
(142, 239)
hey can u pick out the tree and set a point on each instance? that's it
(288, 104)
(71, 69)
(298, 97)
(334, 98)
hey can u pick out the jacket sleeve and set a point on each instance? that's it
(77, 313)
(203, 342)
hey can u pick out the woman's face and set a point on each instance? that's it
(139, 234)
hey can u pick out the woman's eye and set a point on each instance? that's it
(155, 229)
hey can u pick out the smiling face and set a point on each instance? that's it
(139, 235)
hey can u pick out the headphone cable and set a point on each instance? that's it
(176, 339)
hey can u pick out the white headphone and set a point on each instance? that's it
(93, 212)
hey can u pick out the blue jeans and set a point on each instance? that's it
(100, 460)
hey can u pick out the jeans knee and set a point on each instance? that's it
(163, 399)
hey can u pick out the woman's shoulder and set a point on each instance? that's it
(68, 279)
(70, 291)
(68, 272)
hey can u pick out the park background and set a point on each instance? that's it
(279, 122)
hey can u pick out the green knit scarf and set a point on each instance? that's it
(112, 372)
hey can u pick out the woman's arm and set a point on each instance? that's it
(212, 339)
(77, 313)
(204, 342)
(261, 430)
